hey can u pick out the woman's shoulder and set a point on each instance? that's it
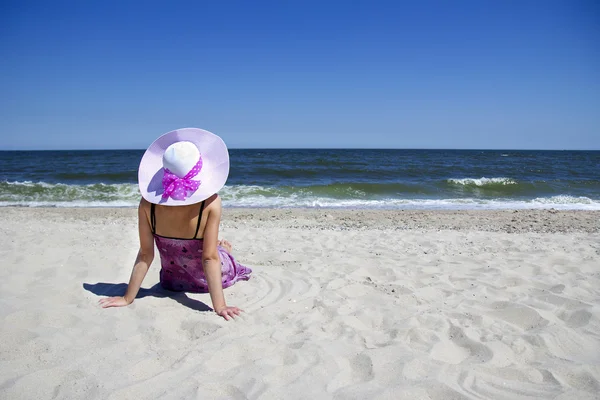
(144, 205)
(213, 202)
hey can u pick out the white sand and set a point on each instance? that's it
(342, 304)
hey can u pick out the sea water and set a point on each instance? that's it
(336, 178)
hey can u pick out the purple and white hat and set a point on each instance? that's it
(183, 167)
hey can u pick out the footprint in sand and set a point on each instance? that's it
(575, 319)
(457, 347)
(525, 318)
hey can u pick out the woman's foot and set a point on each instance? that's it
(226, 245)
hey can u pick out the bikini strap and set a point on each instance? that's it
(199, 219)
(152, 218)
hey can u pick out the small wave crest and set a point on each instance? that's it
(482, 181)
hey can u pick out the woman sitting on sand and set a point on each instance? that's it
(179, 176)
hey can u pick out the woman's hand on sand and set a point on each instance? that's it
(118, 301)
(228, 312)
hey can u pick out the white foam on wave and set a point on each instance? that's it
(483, 181)
(30, 184)
(564, 200)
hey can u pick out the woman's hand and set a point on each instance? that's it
(118, 301)
(228, 312)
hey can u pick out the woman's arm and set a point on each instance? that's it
(212, 263)
(142, 262)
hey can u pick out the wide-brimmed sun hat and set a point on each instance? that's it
(183, 167)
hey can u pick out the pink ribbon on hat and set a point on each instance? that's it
(177, 188)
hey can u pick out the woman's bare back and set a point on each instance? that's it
(182, 221)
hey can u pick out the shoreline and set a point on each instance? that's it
(509, 221)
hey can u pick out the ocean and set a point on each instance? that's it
(329, 178)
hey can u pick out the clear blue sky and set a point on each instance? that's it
(397, 74)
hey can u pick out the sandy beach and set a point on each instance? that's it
(342, 305)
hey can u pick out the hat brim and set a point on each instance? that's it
(213, 175)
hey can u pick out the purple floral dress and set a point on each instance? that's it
(181, 261)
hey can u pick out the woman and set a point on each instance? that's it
(179, 176)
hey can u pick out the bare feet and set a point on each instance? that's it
(226, 245)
